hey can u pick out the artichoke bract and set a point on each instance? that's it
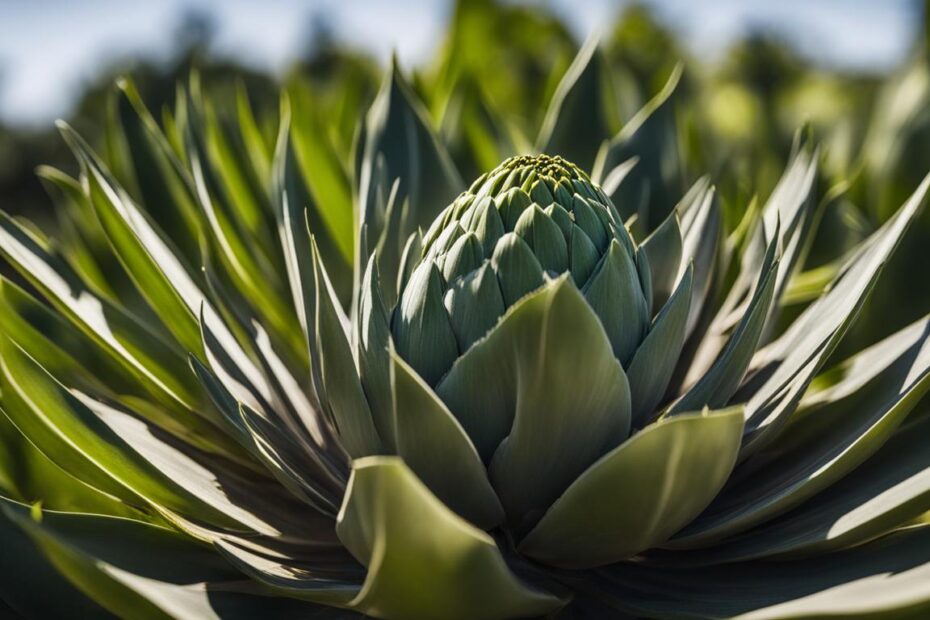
(239, 386)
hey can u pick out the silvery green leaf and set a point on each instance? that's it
(790, 210)
(716, 387)
(599, 520)
(337, 381)
(154, 171)
(651, 368)
(295, 210)
(374, 333)
(805, 346)
(883, 386)
(882, 578)
(701, 227)
(388, 247)
(154, 265)
(566, 412)
(114, 448)
(434, 445)
(889, 491)
(382, 499)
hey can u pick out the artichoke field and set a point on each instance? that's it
(248, 377)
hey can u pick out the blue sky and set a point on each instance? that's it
(48, 47)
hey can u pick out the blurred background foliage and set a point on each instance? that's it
(487, 90)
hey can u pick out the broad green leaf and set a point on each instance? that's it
(436, 448)
(338, 385)
(156, 364)
(889, 489)
(445, 569)
(721, 381)
(636, 496)
(29, 476)
(823, 446)
(112, 450)
(151, 262)
(546, 375)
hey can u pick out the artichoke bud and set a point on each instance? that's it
(531, 217)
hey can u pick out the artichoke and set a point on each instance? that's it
(501, 404)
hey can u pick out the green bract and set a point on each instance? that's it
(247, 381)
